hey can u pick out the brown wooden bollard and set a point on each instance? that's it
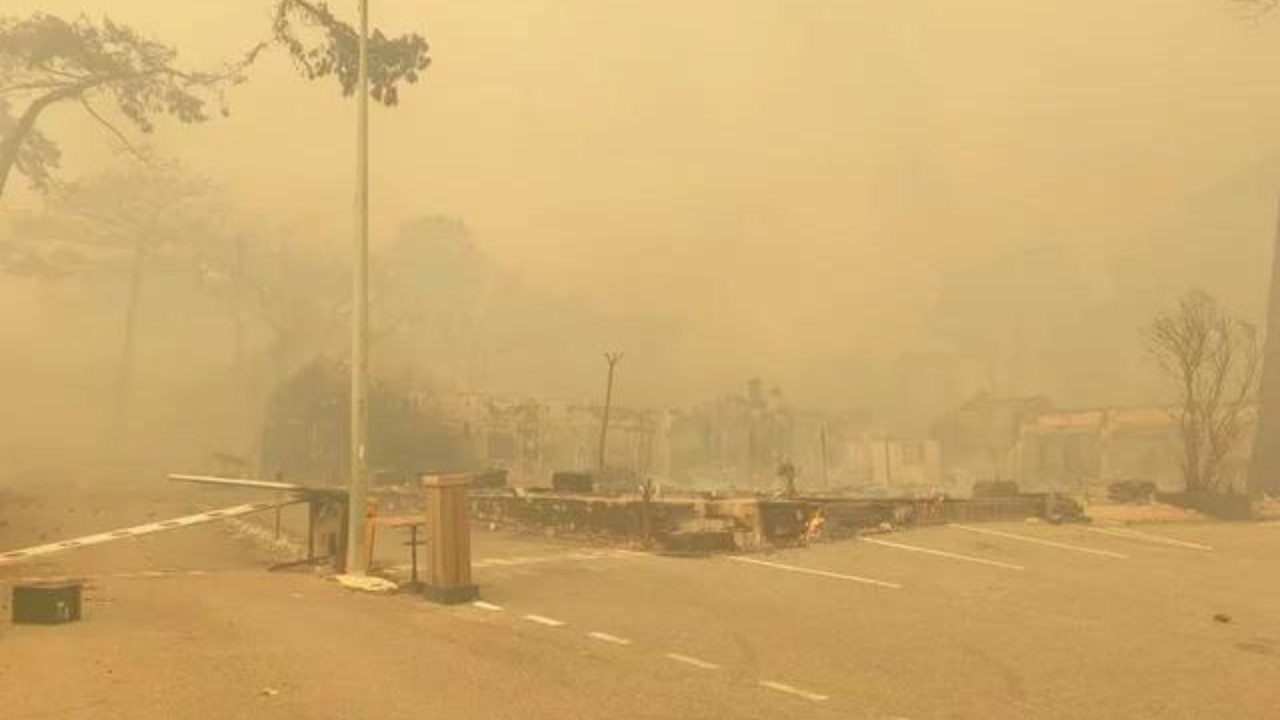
(448, 540)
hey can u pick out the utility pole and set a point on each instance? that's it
(356, 560)
(612, 358)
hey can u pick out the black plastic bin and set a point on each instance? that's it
(46, 603)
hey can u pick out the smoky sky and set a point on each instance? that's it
(803, 187)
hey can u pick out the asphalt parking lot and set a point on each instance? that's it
(1003, 620)
(991, 620)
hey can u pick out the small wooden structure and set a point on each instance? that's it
(449, 540)
(400, 522)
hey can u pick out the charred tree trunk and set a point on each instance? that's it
(1264, 461)
(11, 146)
(124, 378)
(237, 313)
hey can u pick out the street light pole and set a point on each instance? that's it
(356, 560)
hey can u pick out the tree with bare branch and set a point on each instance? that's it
(120, 78)
(111, 71)
(121, 223)
(1212, 362)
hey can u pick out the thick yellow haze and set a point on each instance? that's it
(792, 178)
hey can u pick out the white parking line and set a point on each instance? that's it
(783, 687)
(541, 620)
(486, 606)
(606, 637)
(943, 553)
(16, 556)
(134, 575)
(518, 560)
(1040, 541)
(692, 661)
(1158, 539)
(819, 573)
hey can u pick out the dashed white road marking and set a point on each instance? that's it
(819, 573)
(1158, 539)
(945, 554)
(784, 688)
(687, 660)
(486, 606)
(606, 637)
(1041, 541)
(542, 620)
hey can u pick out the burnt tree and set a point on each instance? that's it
(1211, 361)
(120, 79)
(108, 70)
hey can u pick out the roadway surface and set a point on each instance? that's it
(1006, 620)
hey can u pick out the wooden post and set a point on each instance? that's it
(449, 540)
